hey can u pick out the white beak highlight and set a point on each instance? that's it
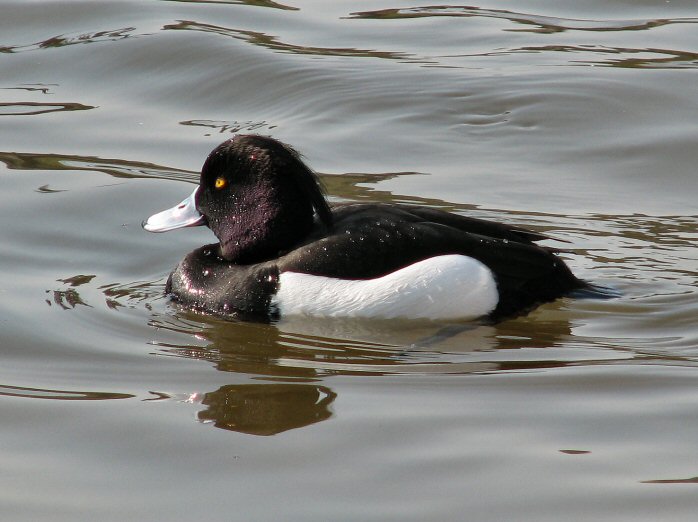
(180, 216)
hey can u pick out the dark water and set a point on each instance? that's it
(577, 119)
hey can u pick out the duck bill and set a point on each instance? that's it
(180, 216)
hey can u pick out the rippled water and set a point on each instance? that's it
(574, 119)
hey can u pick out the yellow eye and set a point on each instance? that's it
(220, 183)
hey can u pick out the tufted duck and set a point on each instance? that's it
(284, 250)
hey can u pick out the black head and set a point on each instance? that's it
(259, 198)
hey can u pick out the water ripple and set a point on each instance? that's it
(258, 3)
(67, 40)
(35, 108)
(273, 43)
(61, 395)
(540, 23)
(114, 167)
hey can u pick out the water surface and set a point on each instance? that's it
(578, 120)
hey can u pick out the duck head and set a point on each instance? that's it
(257, 197)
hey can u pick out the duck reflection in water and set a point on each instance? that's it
(302, 351)
(266, 409)
(297, 354)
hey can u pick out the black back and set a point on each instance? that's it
(371, 240)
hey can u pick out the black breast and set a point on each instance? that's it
(206, 282)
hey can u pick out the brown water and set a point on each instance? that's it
(577, 119)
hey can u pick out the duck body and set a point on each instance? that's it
(350, 260)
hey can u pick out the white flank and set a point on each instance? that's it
(443, 287)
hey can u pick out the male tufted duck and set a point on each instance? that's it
(283, 250)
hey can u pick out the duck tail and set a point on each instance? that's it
(594, 291)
